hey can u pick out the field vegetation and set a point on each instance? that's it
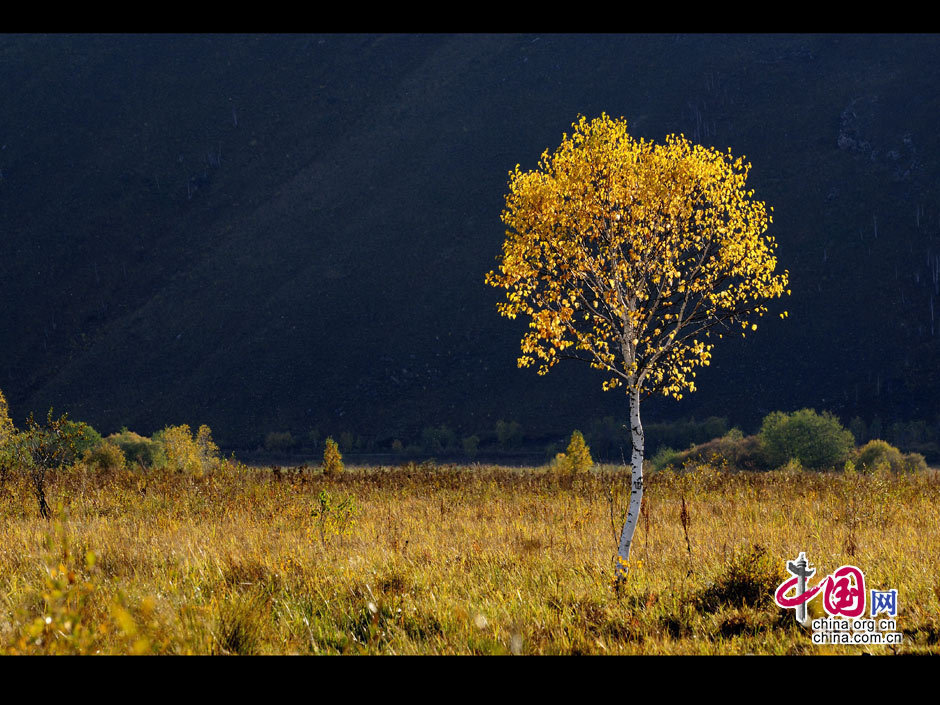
(162, 546)
(449, 560)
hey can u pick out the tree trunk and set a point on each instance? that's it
(636, 494)
(43, 506)
(39, 485)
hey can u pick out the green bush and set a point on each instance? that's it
(664, 456)
(83, 438)
(107, 455)
(816, 440)
(139, 450)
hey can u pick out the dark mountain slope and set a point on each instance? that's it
(267, 233)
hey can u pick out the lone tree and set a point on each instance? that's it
(629, 255)
(44, 449)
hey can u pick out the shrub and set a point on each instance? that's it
(332, 459)
(816, 440)
(738, 451)
(877, 452)
(915, 462)
(138, 449)
(748, 578)
(107, 455)
(577, 458)
(664, 456)
(177, 444)
(83, 438)
(277, 441)
(206, 448)
(43, 449)
(184, 453)
(746, 453)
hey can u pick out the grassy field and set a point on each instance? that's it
(450, 560)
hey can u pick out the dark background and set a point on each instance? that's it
(271, 233)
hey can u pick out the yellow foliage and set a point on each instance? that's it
(577, 458)
(206, 448)
(332, 459)
(185, 453)
(624, 253)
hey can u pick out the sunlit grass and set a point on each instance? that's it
(445, 560)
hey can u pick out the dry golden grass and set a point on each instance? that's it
(446, 560)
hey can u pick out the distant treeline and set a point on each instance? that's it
(608, 438)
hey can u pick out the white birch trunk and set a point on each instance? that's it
(636, 494)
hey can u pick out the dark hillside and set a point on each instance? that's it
(273, 233)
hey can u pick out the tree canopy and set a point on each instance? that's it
(627, 254)
(816, 440)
